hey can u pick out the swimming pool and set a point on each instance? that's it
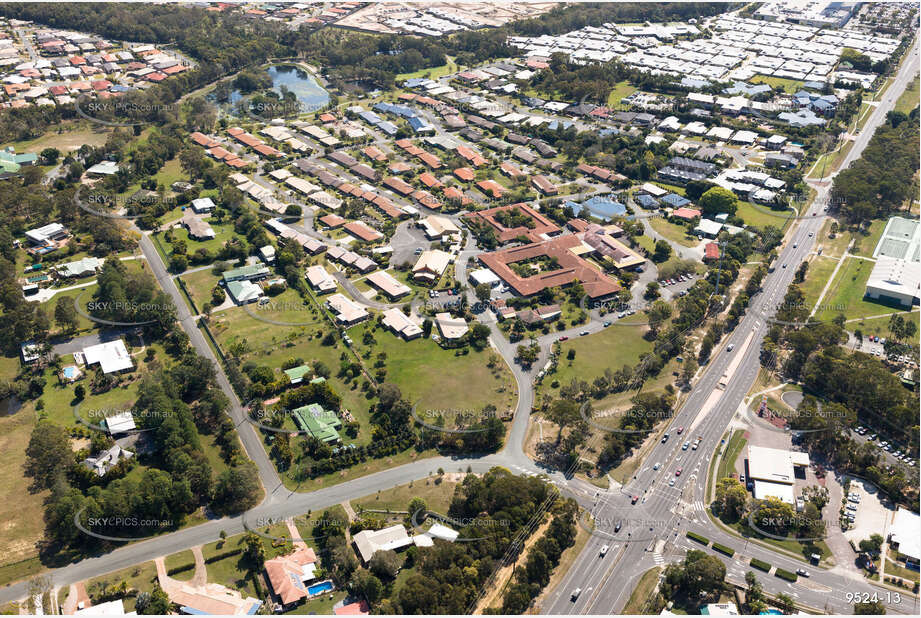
(70, 372)
(320, 588)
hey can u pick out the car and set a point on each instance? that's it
(685, 446)
(802, 572)
(795, 245)
(656, 466)
(418, 251)
(584, 333)
(563, 338)
(665, 438)
(680, 429)
(606, 324)
(617, 527)
(671, 482)
(729, 347)
(784, 266)
(575, 594)
(851, 507)
(873, 436)
(742, 478)
(604, 550)
(810, 233)
(634, 499)
(678, 472)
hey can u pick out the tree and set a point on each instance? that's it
(293, 210)
(563, 413)
(483, 291)
(367, 585)
(50, 155)
(871, 545)
(178, 263)
(385, 563)
(652, 290)
(238, 489)
(479, 335)
(153, 603)
(868, 608)
(254, 551)
(65, 314)
(48, 455)
(785, 603)
(417, 506)
(427, 325)
(731, 498)
(658, 313)
(662, 251)
(718, 200)
(79, 392)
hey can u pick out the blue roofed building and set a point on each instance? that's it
(420, 126)
(387, 127)
(603, 207)
(675, 201)
(646, 201)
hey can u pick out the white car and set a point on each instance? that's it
(656, 466)
(604, 550)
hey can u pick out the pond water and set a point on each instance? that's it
(310, 94)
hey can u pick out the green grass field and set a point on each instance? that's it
(181, 559)
(869, 238)
(673, 232)
(820, 269)
(642, 593)
(199, 284)
(829, 162)
(846, 294)
(731, 453)
(620, 90)
(759, 215)
(437, 496)
(789, 85)
(909, 99)
(880, 326)
(432, 72)
(140, 578)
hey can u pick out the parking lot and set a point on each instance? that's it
(871, 515)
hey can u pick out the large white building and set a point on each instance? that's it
(896, 275)
(903, 534)
(772, 472)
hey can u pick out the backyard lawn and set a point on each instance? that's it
(139, 578)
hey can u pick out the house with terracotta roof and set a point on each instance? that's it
(711, 251)
(568, 266)
(491, 188)
(429, 180)
(510, 169)
(464, 173)
(398, 185)
(288, 576)
(456, 197)
(543, 185)
(362, 231)
(686, 214)
(536, 226)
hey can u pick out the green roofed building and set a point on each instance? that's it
(318, 380)
(10, 162)
(253, 272)
(296, 374)
(319, 423)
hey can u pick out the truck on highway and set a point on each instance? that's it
(696, 443)
(724, 380)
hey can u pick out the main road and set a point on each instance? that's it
(668, 505)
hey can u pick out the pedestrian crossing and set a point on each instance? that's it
(658, 559)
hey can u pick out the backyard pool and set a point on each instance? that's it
(320, 588)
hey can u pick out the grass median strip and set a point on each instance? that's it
(697, 537)
(724, 549)
(760, 565)
(787, 575)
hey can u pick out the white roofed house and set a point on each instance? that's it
(431, 265)
(400, 324)
(102, 462)
(369, 542)
(202, 205)
(347, 312)
(320, 279)
(47, 233)
(120, 423)
(450, 328)
(389, 286)
(111, 356)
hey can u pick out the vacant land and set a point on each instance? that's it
(643, 592)
(758, 215)
(846, 294)
(70, 137)
(674, 232)
(437, 493)
(431, 73)
(621, 90)
(820, 269)
(909, 99)
(789, 85)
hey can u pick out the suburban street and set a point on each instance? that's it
(707, 413)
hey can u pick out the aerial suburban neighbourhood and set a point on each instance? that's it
(449, 308)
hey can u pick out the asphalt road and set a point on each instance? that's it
(671, 510)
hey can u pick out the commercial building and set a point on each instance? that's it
(436, 227)
(895, 281)
(773, 471)
(538, 227)
(903, 535)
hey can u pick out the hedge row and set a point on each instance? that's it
(181, 568)
(697, 537)
(760, 564)
(226, 554)
(724, 550)
(787, 575)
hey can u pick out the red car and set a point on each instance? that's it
(634, 499)
(680, 429)
(563, 338)
(678, 472)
